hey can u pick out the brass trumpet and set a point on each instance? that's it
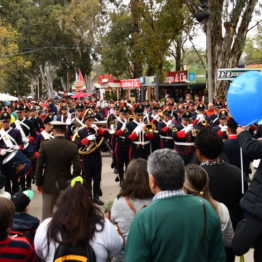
(149, 128)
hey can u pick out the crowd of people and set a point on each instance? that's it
(186, 190)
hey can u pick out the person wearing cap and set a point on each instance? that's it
(53, 169)
(122, 143)
(165, 128)
(10, 140)
(92, 163)
(155, 118)
(46, 134)
(63, 113)
(24, 224)
(51, 106)
(27, 130)
(183, 137)
(75, 120)
(12, 249)
(38, 124)
(221, 129)
(140, 146)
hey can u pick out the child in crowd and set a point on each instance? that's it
(24, 224)
(197, 183)
(12, 249)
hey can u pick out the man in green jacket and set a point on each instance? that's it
(176, 227)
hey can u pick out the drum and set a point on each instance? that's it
(16, 164)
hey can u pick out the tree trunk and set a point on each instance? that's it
(226, 49)
(138, 69)
(179, 63)
(63, 83)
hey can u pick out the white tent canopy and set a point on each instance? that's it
(6, 97)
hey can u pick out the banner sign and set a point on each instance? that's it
(106, 78)
(176, 77)
(232, 73)
(130, 83)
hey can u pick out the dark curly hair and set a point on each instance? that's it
(209, 143)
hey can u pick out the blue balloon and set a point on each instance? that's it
(244, 98)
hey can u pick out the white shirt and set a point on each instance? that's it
(105, 243)
(4, 194)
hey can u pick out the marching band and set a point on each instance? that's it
(131, 131)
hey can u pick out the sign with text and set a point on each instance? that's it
(106, 78)
(130, 83)
(176, 77)
(232, 73)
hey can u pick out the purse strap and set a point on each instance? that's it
(130, 204)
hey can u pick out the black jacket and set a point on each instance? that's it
(252, 200)
(225, 187)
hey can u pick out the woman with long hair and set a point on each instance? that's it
(134, 195)
(197, 184)
(82, 222)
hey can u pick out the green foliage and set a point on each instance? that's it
(117, 46)
(253, 49)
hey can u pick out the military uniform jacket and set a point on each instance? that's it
(62, 118)
(83, 133)
(53, 169)
(15, 135)
(184, 143)
(38, 124)
(121, 134)
(27, 127)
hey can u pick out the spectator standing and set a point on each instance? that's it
(176, 226)
(249, 230)
(134, 195)
(197, 184)
(12, 249)
(224, 178)
(82, 223)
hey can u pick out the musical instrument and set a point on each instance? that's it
(131, 118)
(112, 124)
(91, 147)
(149, 128)
(76, 125)
(16, 164)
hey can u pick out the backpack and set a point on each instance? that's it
(65, 252)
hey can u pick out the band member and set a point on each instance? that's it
(92, 162)
(63, 114)
(184, 139)
(75, 120)
(112, 139)
(140, 139)
(27, 130)
(38, 124)
(221, 129)
(10, 140)
(46, 134)
(155, 118)
(165, 128)
(122, 144)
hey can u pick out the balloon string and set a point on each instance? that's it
(242, 170)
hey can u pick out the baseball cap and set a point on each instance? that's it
(22, 199)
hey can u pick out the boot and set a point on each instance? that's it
(98, 201)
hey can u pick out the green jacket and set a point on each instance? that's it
(171, 230)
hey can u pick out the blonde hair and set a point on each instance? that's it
(197, 183)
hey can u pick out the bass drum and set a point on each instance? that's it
(16, 165)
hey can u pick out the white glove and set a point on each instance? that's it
(123, 126)
(142, 125)
(4, 152)
(169, 123)
(155, 117)
(188, 128)
(94, 126)
(91, 137)
(138, 129)
(223, 128)
(25, 140)
(200, 117)
(15, 147)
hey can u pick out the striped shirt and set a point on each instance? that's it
(169, 193)
(16, 249)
